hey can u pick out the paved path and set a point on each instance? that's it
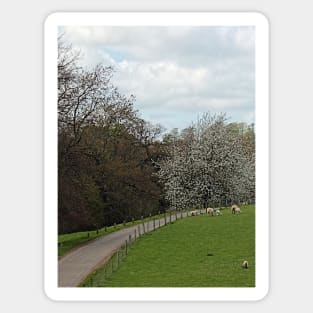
(76, 265)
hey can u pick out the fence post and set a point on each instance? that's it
(135, 234)
(98, 279)
(138, 231)
(154, 224)
(143, 230)
(159, 217)
(105, 273)
(130, 238)
(126, 246)
(165, 217)
(170, 217)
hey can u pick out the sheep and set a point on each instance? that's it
(244, 264)
(218, 212)
(235, 209)
(210, 211)
(193, 213)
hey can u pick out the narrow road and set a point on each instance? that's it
(76, 265)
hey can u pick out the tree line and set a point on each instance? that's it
(104, 150)
(114, 166)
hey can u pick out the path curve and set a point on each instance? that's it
(77, 264)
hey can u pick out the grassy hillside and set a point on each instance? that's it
(199, 251)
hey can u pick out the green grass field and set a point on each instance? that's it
(198, 251)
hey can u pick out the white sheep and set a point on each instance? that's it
(244, 264)
(218, 212)
(210, 211)
(193, 213)
(235, 209)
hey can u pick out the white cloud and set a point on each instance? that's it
(187, 70)
(162, 80)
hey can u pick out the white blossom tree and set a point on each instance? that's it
(207, 165)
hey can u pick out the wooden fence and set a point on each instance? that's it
(102, 274)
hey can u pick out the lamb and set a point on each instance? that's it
(193, 213)
(218, 212)
(235, 209)
(210, 211)
(244, 264)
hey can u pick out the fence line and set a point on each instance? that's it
(101, 275)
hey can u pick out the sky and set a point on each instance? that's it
(176, 73)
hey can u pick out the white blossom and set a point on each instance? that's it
(207, 166)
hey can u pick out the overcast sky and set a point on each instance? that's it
(176, 73)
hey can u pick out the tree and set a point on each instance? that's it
(104, 149)
(207, 165)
